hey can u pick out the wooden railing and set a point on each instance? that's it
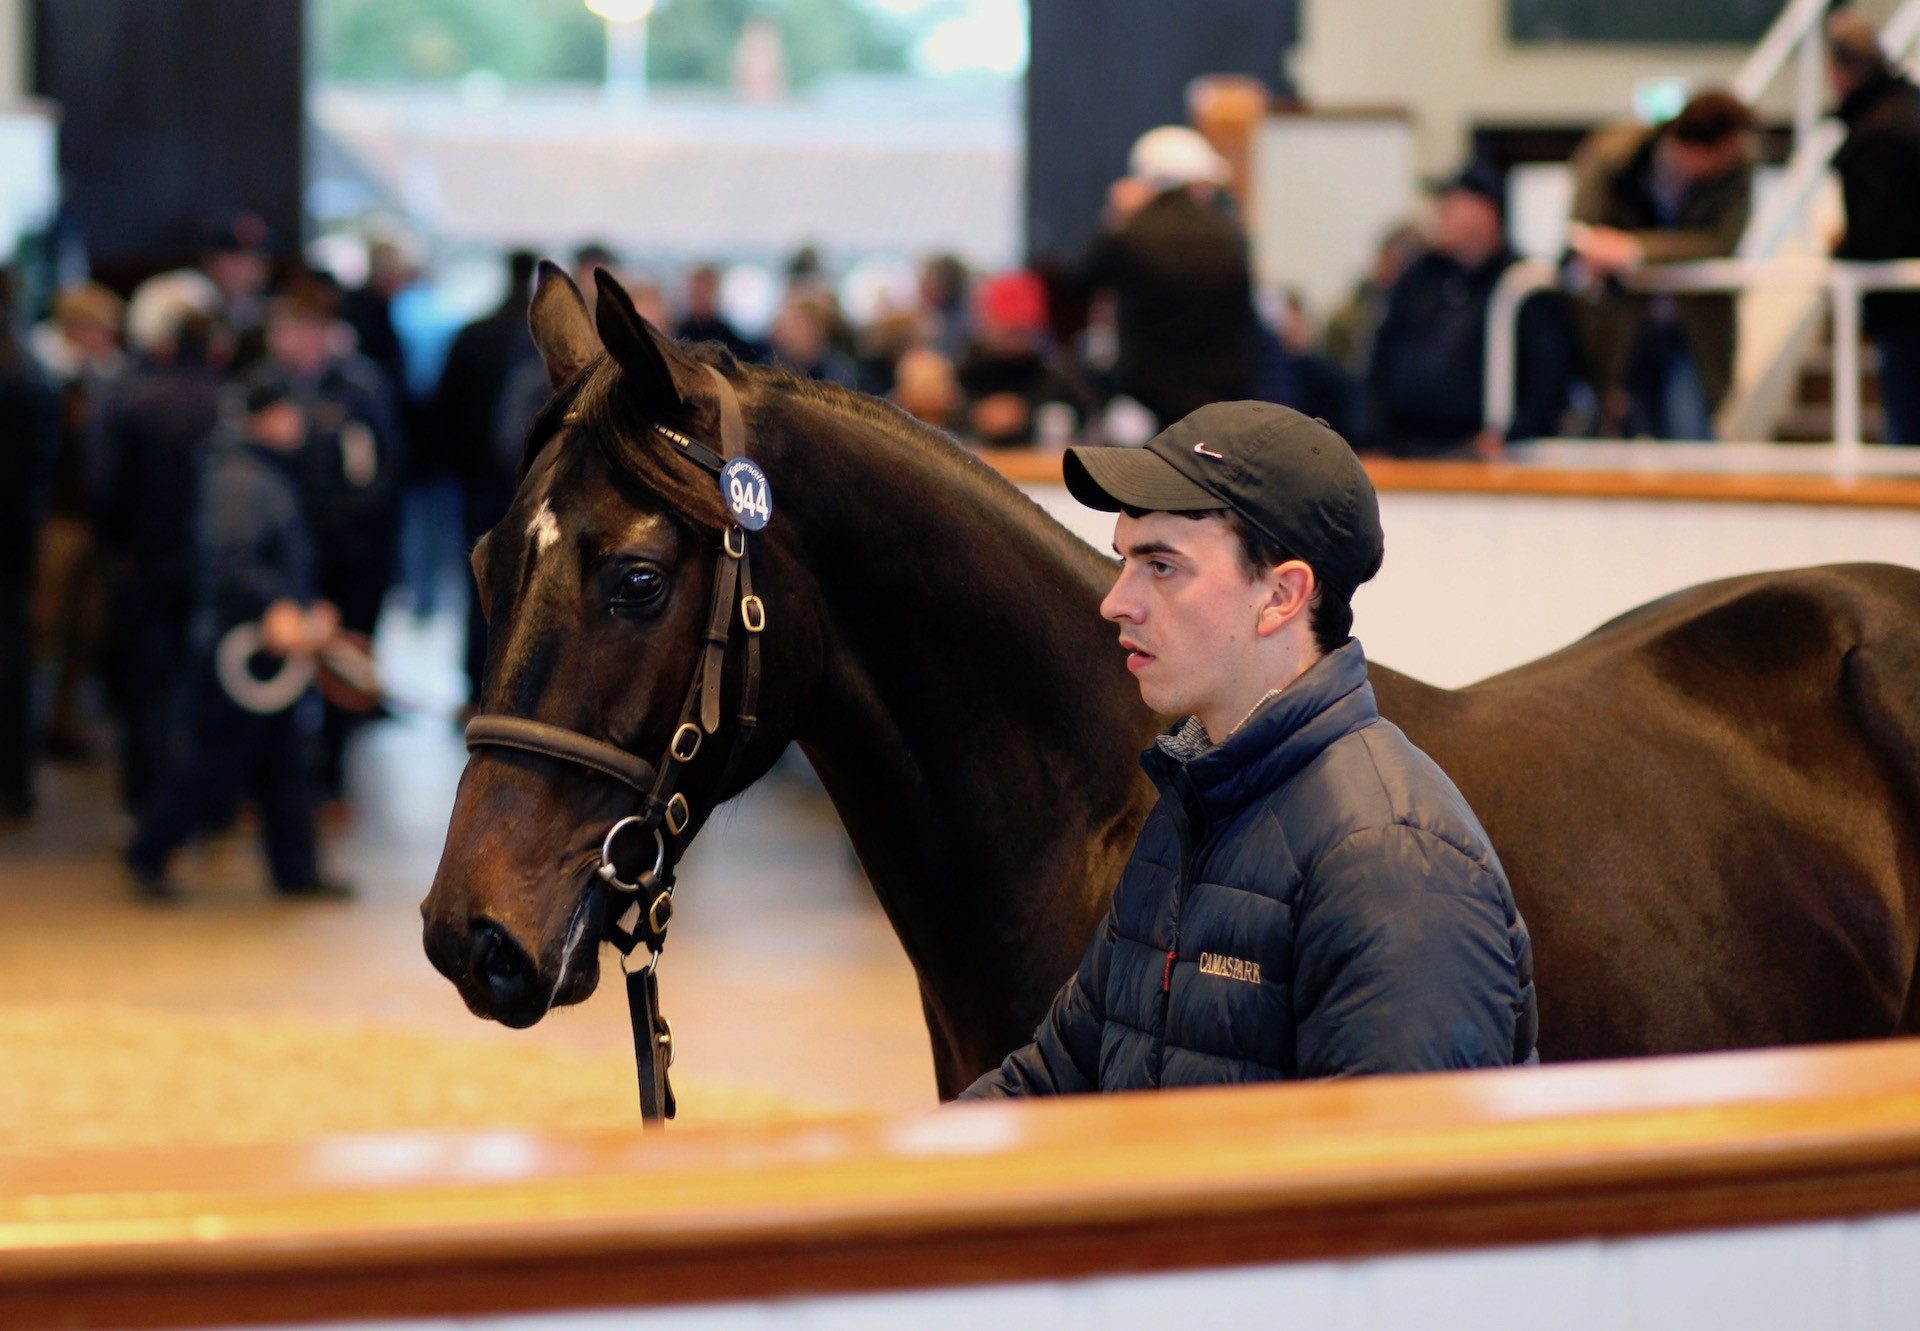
(1643, 480)
(425, 1225)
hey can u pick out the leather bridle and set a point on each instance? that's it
(665, 813)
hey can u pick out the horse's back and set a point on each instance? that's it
(1727, 853)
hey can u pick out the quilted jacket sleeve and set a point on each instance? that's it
(1064, 1057)
(1409, 958)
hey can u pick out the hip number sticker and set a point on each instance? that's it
(748, 496)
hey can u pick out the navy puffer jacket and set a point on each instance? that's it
(1312, 898)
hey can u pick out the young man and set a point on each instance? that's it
(1311, 897)
(256, 561)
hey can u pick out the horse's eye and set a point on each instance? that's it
(639, 588)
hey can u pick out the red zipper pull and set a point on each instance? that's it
(1166, 975)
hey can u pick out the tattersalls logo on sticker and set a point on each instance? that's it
(749, 497)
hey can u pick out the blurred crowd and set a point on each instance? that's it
(255, 443)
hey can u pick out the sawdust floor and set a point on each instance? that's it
(234, 1017)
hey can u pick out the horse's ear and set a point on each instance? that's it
(562, 328)
(655, 367)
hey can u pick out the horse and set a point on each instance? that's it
(1707, 808)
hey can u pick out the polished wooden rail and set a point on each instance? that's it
(361, 1227)
(1036, 467)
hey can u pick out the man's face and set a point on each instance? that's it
(1702, 162)
(301, 343)
(1187, 610)
(1466, 225)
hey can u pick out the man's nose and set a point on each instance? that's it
(1118, 604)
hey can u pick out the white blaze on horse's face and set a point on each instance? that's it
(544, 529)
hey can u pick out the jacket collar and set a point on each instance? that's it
(1285, 733)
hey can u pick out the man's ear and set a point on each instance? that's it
(1290, 598)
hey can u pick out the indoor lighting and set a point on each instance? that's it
(621, 11)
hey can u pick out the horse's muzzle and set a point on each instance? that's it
(496, 976)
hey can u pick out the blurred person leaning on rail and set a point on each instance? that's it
(1670, 193)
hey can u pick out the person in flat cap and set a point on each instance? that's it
(1426, 376)
(256, 564)
(1311, 896)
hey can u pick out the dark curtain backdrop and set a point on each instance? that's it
(174, 113)
(1103, 71)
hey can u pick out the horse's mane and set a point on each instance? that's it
(653, 468)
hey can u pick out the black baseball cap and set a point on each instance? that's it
(1289, 475)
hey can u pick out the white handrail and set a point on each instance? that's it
(1843, 282)
(1776, 47)
(1500, 381)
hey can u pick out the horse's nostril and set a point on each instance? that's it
(503, 968)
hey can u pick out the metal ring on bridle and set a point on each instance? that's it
(753, 613)
(608, 872)
(654, 922)
(727, 543)
(679, 813)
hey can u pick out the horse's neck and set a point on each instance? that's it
(975, 728)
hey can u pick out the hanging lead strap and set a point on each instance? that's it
(652, 1047)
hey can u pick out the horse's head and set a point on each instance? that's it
(596, 586)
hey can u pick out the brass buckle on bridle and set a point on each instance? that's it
(689, 734)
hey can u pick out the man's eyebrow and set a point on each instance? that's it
(1145, 548)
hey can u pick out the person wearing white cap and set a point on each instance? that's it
(1176, 262)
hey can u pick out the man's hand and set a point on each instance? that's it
(323, 622)
(1607, 250)
(1125, 197)
(283, 629)
(289, 629)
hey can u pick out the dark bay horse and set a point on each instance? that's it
(1709, 809)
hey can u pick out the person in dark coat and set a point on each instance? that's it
(1016, 390)
(705, 322)
(1177, 264)
(1311, 896)
(1426, 380)
(148, 462)
(257, 562)
(1879, 166)
(351, 471)
(479, 365)
(30, 434)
